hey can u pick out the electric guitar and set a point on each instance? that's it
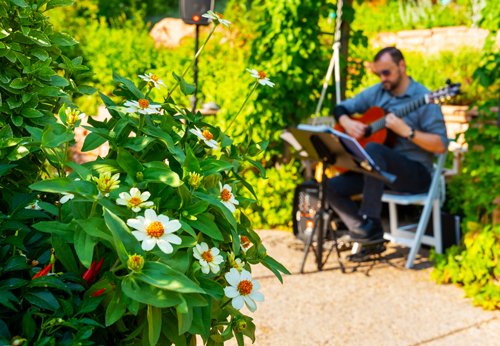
(374, 117)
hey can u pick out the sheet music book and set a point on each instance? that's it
(350, 144)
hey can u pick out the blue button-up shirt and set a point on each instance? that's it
(427, 118)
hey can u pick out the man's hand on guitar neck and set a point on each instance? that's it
(353, 127)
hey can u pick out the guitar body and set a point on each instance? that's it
(371, 115)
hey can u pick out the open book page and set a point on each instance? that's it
(350, 144)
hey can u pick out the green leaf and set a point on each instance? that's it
(6, 297)
(18, 153)
(211, 166)
(42, 299)
(20, 3)
(50, 281)
(86, 89)
(84, 246)
(58, 3)
(186, 88)
(167, 140)
(154, 324)
(275, 267)
(58, 81)
(213, 288)
(63, 40)
(93, 141)
(51, 91)
(138, 144)
(60, 185)
(128, 162)
(90, 304)
(64, 253)
(15, 263)
(215, 202)
(55, 135)
(128, 85)
(32, 113)
(5, 168)
(162, 174)
(205, 224)
(58, 228)
(19, 83)
(191, 163)
(147, 294)
(29, 325)
(116, 307)
(124, 241)
(40, 53)
(96, 227)
(163, 276)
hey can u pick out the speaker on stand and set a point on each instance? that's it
(191, 13)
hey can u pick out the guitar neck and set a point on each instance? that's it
(401, 112)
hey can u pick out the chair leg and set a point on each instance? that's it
(422, 225)
(436, 220)
(393, 219)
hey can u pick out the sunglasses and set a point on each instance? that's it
(385, 73)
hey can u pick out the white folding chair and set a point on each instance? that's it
(431, 201)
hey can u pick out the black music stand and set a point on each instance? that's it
(332, 147)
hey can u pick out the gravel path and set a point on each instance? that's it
(379, 303)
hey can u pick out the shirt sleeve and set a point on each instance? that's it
(431, 120)
(361, 102)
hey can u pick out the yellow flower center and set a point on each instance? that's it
(245, 242)
(143, 103)
(245, 287)
(207, 134)
(154, 77)
(207, 256)
(134, 201)
(262, 75)
(155, 229)
(225, 195)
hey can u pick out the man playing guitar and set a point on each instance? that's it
(418, 136)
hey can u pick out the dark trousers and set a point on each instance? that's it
(412, 177)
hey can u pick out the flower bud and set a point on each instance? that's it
(194, 179)
(139, 176)
(240, 325)
(17, 340)
(135, 263)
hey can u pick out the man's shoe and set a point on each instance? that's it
(371, 229)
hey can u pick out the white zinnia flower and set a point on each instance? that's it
(227, 198)
(153, 79)
(261, 77)
(66, 197)
(242, 289)
(155, 230)
(135, 200)
(206, 136)
(209, 258)
(217, 18)
(33, 206)
(142, 106)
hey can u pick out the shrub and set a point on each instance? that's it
(170, 179)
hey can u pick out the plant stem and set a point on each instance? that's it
(192, 62)
(243, 105)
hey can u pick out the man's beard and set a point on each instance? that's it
(391, 86)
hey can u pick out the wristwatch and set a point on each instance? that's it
(412, 134)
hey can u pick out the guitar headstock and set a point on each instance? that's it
(445, 93)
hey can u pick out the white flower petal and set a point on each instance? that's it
(233, 277)
(148, 244)
(172, 238)
(237, 302)
(140, 236)
(165, 246)
(250, 303)
(257, 296)
(231, 292)
(172, 226)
